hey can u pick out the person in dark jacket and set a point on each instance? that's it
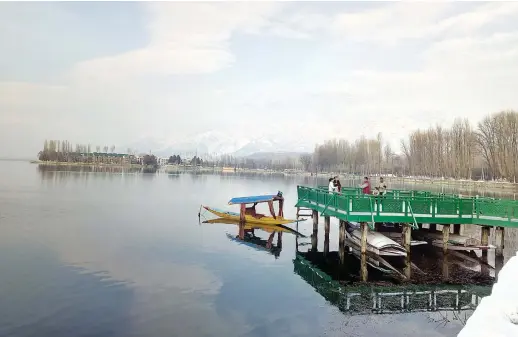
(337, 184)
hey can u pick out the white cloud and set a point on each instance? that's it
(390, 22)
(402, 20)
(398, 66)
(185, 38)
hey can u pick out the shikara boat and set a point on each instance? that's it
(377, 243)
(455, 242)
(249, 214)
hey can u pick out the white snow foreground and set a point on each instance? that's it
(497, 314)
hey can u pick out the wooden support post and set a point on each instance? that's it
(484, 241)
(315, 221)
(341, 236)
(327, 227)
(297, 240)
(341, 242)
(341, 254)
(406, 239)
(242, 217)
(499, 263)
(499, 239)
(314, 242)
(242, 230)
(445, 238)
(363, 269)
(456, 229)
(445, 267)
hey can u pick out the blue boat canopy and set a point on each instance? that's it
(254, 199)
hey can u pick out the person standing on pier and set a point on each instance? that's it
(366, 186)
(332, 187)
(337, 184)
(382, 186)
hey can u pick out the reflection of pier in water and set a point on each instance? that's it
(365, 299)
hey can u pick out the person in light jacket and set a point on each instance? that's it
(382, 186)
(332, 187)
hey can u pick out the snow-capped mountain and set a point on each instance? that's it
(215, 143)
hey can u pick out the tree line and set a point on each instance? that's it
(488, 150)
(174, 159)
(65, 151)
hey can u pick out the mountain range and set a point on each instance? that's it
(214, 143)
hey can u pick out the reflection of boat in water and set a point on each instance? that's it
(366, 300)
(246, 235)
(250, 215)
(251, 240)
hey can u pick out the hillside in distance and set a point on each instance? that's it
(214, 143)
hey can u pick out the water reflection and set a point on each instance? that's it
(368, 299)
(250, 235)
(165, 278)
(37, 299)
(276, 176)
(63, 169)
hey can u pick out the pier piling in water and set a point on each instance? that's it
(484, 240)
(458, 229)
(445, 238)
(327, 227)
(363, 268)
(406, 239)
(314, 237)
(341, 241)
(314, 215)
(499, 239)
(341, 235)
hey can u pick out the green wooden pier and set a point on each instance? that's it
(411, 209)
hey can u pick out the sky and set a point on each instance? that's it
(112, 72)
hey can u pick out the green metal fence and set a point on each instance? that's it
(409, 207)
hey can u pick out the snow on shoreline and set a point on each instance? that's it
(497, 314)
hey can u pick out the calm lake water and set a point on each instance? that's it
(112, 254)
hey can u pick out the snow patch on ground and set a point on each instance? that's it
(497, 314)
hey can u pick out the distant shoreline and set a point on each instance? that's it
(59, 163)
(425, 181)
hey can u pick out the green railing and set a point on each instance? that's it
(406, 193)
(409, 207)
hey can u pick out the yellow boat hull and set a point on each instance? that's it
(249, 226)
(266, 220)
